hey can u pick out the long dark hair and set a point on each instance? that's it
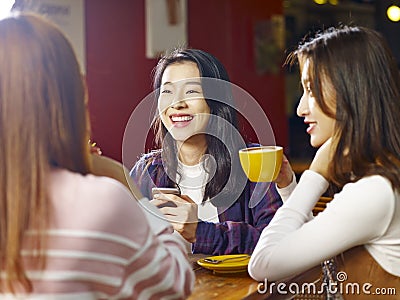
(226, 165)
(360, 66)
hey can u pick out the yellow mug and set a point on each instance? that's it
(261, 164)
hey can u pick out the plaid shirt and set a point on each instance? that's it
(240, 226)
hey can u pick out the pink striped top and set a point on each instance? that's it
(102, 244)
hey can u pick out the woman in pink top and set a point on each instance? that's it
(63, 232)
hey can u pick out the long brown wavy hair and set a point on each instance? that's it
(359, 64)
(43, 124)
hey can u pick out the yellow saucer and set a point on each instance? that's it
(232, 263)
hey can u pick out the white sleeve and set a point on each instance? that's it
(290, 245)
(286, 191)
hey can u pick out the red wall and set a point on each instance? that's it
(119, 75)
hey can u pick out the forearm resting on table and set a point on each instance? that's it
(105, 166)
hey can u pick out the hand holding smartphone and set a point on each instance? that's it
(163, 190)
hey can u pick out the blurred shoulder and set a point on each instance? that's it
(70, 187)
(89, 203)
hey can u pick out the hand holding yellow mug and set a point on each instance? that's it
(261, 164)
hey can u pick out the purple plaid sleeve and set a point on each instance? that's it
(241, 228)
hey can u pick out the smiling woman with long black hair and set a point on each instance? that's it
(197, 133)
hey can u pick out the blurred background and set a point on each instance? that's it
(118, 43)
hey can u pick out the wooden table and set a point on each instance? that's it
(235, 286)
(210, 285)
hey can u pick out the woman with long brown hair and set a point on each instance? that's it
(351, 103)
(64, 232)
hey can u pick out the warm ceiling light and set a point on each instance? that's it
(393, 13)
(320, 1)
(334, 2)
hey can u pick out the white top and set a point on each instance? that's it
(102, 245)
(192, 182)
(366, 212)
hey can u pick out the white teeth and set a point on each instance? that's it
(181, 118)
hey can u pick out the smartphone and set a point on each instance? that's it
(160, 190)
(164, 190)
